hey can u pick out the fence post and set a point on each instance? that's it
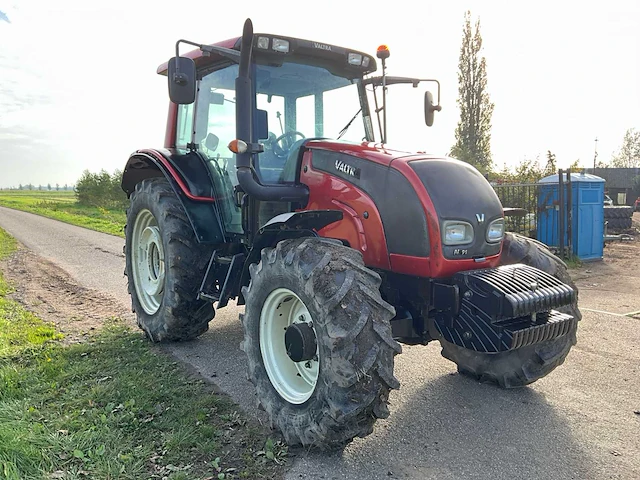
(560, 213)
(570, 245)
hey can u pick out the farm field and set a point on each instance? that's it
(62, 205)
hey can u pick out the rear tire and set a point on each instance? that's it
(164, 265)
(523, 366)
(352, 371)
(619, 223)
(618, 211)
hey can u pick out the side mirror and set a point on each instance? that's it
(429, 108)
(262, 124)
(182, 80)
(211, 142)
(216, 98)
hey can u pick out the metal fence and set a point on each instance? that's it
(523, 196)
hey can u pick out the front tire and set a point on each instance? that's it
(516, 368)
(164, 265)
(339, 392)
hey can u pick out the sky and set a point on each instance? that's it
(79, 89)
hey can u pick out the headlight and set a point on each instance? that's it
(355, 59)
(495, 231)
(457, 233)
(280, 45)
(263, 42)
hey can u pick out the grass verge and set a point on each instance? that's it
(114, 407)
(63, 206)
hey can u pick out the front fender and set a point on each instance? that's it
(190, 181)
(305, 223)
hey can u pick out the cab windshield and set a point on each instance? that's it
(300, 100)
(303, 101)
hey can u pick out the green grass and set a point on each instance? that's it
(113, 407)
(573, 262)
(63, 206)
(8, 245)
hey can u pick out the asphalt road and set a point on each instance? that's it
(577, 423)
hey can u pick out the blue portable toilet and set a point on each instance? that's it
(587, 228)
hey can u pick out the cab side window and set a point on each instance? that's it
(184, 127)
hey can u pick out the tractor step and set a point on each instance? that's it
(504, 308)
(208, 297)
(221, 278)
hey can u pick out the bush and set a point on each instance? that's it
(101, 190)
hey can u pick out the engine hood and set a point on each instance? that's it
(375, 152)
(418, 194)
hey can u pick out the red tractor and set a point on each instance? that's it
(339, 247)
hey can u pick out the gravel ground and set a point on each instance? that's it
(580, 422)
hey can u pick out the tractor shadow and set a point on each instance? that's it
(442, 425)
(454, 427)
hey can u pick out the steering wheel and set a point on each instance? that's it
(284, 142)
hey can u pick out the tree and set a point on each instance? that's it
(473, 133)
(575, 167)
(101, 189)
(20, 187)
(57, 187)
(629, 154)
(527, 171)
(49, 186)
(550, 168)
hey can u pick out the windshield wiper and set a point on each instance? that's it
(346, 127)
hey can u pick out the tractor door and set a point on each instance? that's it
(215, 127)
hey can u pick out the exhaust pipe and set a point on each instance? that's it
(244, 131)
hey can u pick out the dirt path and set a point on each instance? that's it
(613, 284)
(578, 422)
(52, 294)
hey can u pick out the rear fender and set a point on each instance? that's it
(190, 180)
(305, 223)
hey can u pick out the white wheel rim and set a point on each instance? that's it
(147, 261)
(294, 381)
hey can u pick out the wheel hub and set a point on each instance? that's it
(289, 347)
(147, 261)
(153, 260)
(300, 342)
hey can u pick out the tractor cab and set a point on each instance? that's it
(300, 91)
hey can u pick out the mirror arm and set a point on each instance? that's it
(229, 53)
(437, 107)
(225, 52)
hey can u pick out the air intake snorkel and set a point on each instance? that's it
(244, 133)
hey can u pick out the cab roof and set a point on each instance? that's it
(332, 55)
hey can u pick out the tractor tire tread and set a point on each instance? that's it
(181, 315)
(619, 223)
(618, 211)
(357, 375)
